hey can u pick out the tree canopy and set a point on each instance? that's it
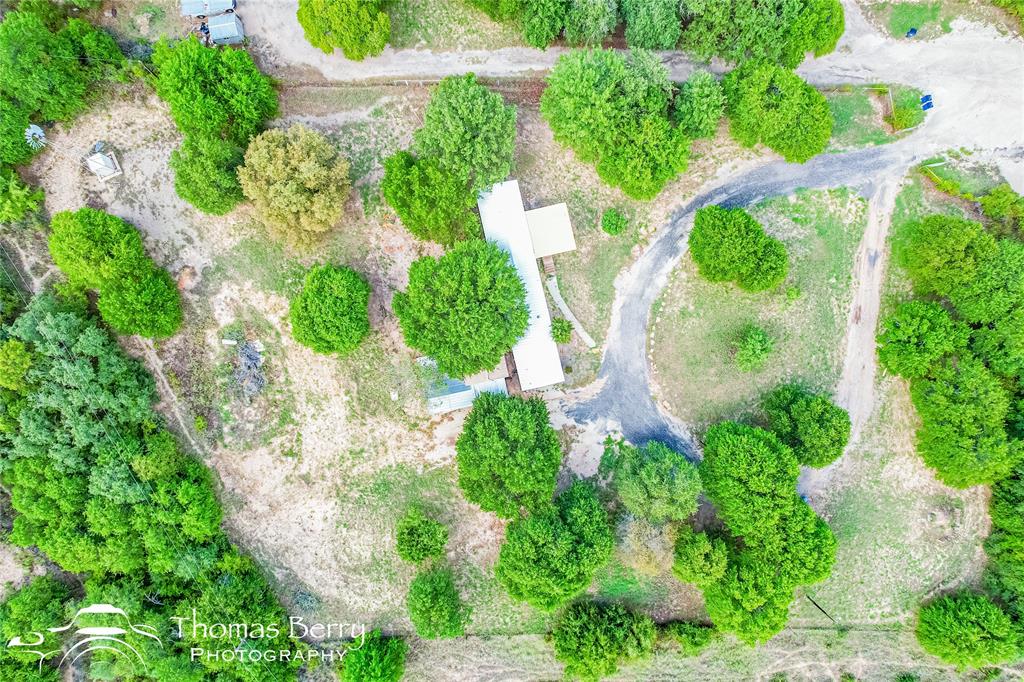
(330, 314)
(652, 24)
(613, 111)
(551, 556)
(728, 245)
(967, 630)
(508, 455)
(655, 482)
(96, 250)
(592, 638)
(419, 537)
(435, 607)
(361, 28)
(297, 181)
(774, 106)
(465, 309)
(700, 105)
(779, 31)
(375, 658)
(816, 429)
(916, 336)
(432, 203)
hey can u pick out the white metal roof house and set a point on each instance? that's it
(527, 236)
(445, 394)
(225, 29)
(206, 8)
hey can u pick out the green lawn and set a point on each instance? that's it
(919, 15)
(446, 25)
(696, 320)
(855, 120)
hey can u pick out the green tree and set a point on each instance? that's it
(692, 638)
(465, 309)
(699, 559)
(963, 409)
(418, 537)
(592, 638)
(551, 556)
(375, 659)
(916, 336)
(612, 110)
(771, 105)
(1001, 205)
(590, 21)
(17, 199)
(943, 254)
(99, 251)
(727, 244)
(751, 601)
(1001, 345)
(435, 607)
(652, 24)
(297, 181)
(816, 429)
(35, 608)
(14, 120)
(997, 287)
(330, 314)
(967, 630)
(205, 173)
(361, 28)
(655, 482)
(433, 204)
(751, 348)
(779, 31)
(508, 455)
(543, 21)
(469, 130)
(700, 105)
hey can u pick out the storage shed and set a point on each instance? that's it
(226, 29)
(206, 8)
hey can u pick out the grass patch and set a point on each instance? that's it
(904, 16)
(696, 320)
(619, 583)
(446, 25)
(906, 108)
(856, 121)
(262, 261)
(382, 384)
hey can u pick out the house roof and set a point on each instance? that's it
(196, 8)
(504, 221)
(444, 394)
(225, 29)
(550, 230)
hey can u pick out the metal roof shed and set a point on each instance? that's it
(205, 8)
(226, 29)
(504, 222)
(550, 230)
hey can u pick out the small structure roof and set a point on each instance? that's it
(445, 394)
(103, 165)
(550, 230)
(504, 221)
(205, 8)
(225, 29)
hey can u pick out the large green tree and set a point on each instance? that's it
(592, 638)
(590, 21)
(812, 425)
(652, 24)
(943, 254)
(508, 455)
(700, 105)
(728, 245)
(551, 556)
(465, 309)
(774, 106)
(916, 336)
(432, 203)
(655, 482)
(968, 630)
(361, 28)
(613, 111)
(330, 314)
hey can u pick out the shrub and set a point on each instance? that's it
(465, 309)
(699, 559)
(752, 348)
(652, 24)
(1001, 205)
(499, 10)
(816, 429)
(508, 455)
(552, 555)
(469, 130)
(435, 608)
(613, 222)
(963, 409)
(655, 482)
(99, 251)
(967, 630)
(17, 200)
(593, 638)
(942, 254)
(543, 21)
(15, 361)
(330, 314)
(590, 21)
(642, 546)
(433, 204)
(375, 659)
(297, 181)
(204, 173)
(700, 105)
(561, 330)
(361, 28)
(916, 336)
(14, 119)
(727, 244)
(418, 537)
(777, 31)
(612, 110)
(691, 638)
(773, 106)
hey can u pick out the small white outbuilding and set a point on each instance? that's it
(102, 163)
(225, 29)
(206, 8)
